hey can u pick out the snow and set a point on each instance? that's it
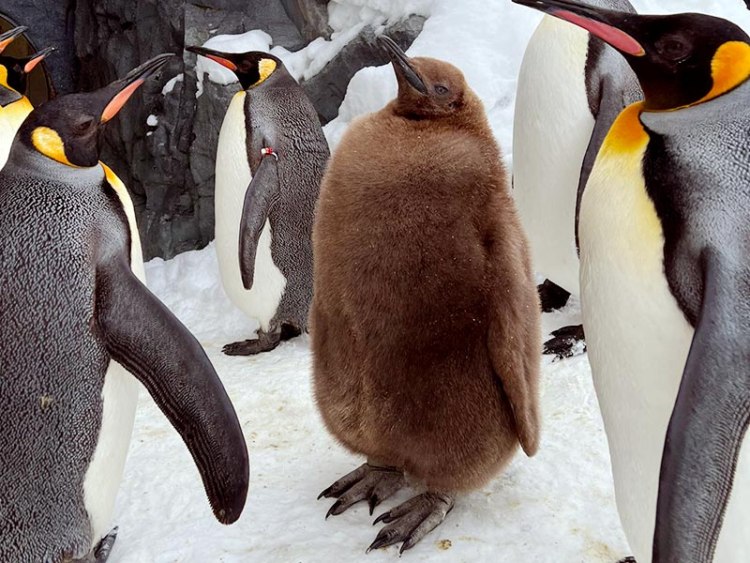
(556, 506)
(152, 120)
(169, 86)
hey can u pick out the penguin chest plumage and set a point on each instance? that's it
(637, 336)
(11, 117)
(119, 401)
(233, 176)
(551, 134)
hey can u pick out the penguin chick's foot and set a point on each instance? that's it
(368, 482)
(101, 552)
(552, 296)
(412, 520)
(265, 342)
(566, 342)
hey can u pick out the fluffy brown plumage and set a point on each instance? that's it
(425, 316)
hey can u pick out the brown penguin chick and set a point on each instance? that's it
(425, 316)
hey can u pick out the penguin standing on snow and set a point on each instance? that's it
(571, 87)
(269, 164)
(75, 318)
(425, 316)
(665, 283)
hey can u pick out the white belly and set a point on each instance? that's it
(638, 341)
(551, 132)
(232, 178)
(119, 402)
(11, 118)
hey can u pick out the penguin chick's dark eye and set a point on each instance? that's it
(673, 48)
(441, 90)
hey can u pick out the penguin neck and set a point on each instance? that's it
(27, 162)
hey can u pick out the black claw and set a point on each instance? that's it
(336, 505)
(325, 493)
(385, 517)
(373, 502)
(383, 539)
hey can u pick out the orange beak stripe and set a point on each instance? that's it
(223, 62)
(115, 105)
(29, 66)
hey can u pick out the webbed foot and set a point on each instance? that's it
(552, 296)
(368, 482)
(567, 341)
(412, 520)
(265, 342)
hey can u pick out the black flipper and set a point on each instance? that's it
(611, 103)
(140, 333)
(8, 96)
(260, 196)
(709, 420)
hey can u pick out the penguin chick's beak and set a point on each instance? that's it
(36, 58)
(605, 24)
(125, 87)
(8, 37)
(215, 56)
(402, 64)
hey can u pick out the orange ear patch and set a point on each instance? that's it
(730, 67)
(115, 105)
(49, 143)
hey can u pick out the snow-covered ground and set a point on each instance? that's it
(557, 506)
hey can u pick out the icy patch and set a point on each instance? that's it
(343, 14)
(152, 120)
(169, 86)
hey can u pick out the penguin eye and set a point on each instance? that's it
(84, 125)
(441, 90)
(673, 48)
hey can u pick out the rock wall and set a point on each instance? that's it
(167, 161)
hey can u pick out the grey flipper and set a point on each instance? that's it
(101, 552)
(140, 333)
(709, 420)
(260, 197)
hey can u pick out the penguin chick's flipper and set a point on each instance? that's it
(709, 418)
(101, 552)
(369, 482)
(566, 342)
(260, 196)
(265, 342)
(552, 296)
(143, 335)
(412, 520)
(514, 336)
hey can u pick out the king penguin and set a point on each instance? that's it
(665, 283)
(76, 321)
(425, 317)
(571, 87)
(14, 105)
(269, 164)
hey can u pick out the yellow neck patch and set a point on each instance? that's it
(4, 77)
(49, 143)
(627, 133)
(730, 67)
(265, 69)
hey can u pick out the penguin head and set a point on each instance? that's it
(679, 59)
(67, 129)
(8, 94)
(252, 68)
(14, 72)
(428, 88)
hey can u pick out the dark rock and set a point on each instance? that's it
(328, 88)
(310, 17)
